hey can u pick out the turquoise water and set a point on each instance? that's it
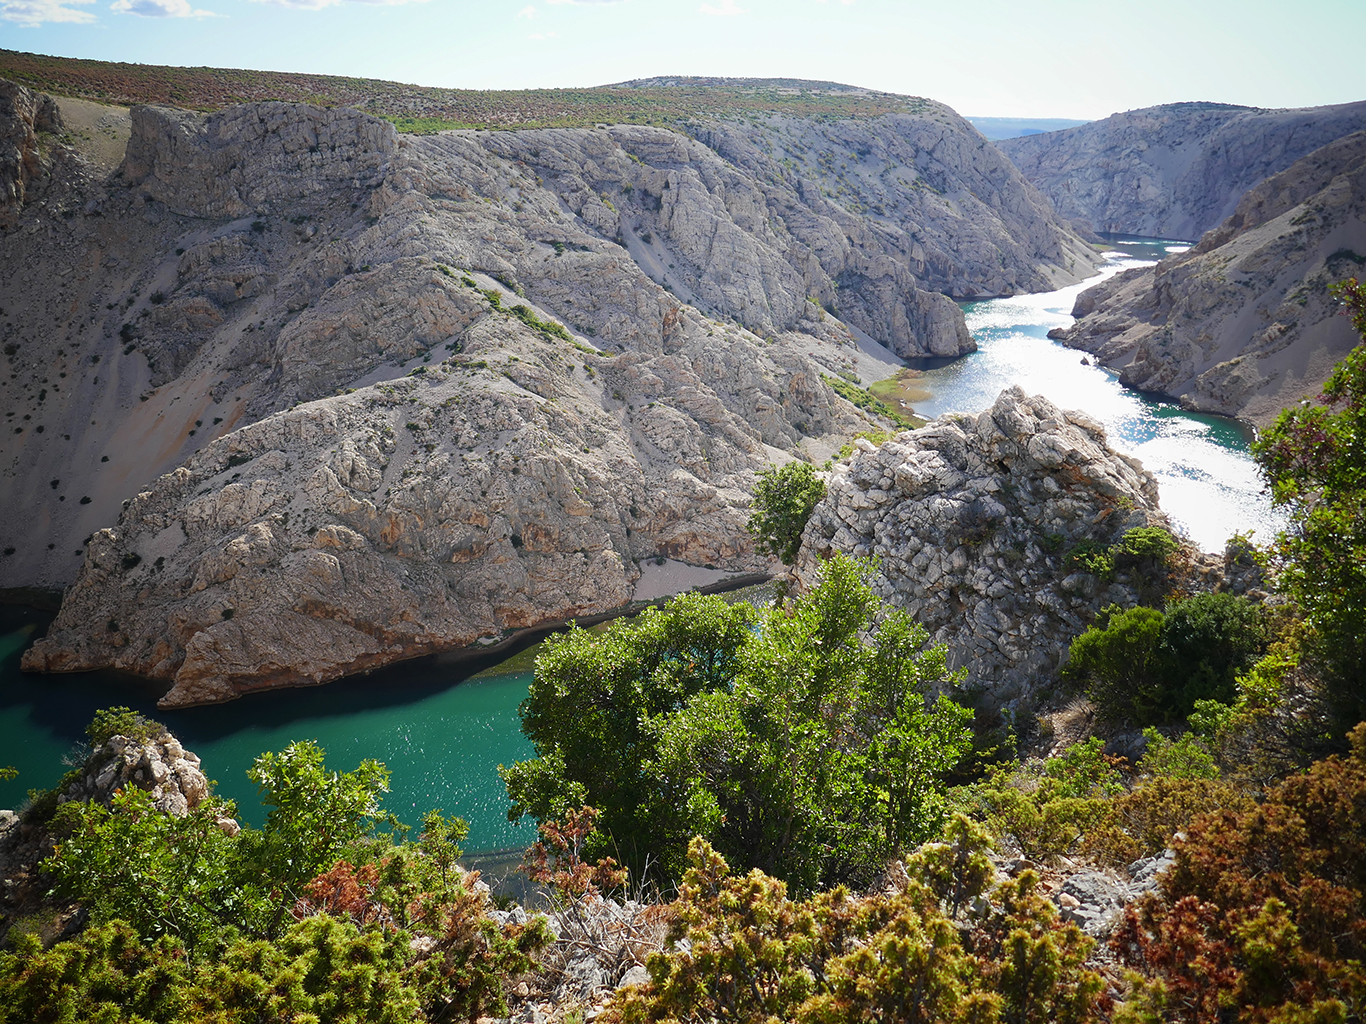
(443, 741)
(1207, 481)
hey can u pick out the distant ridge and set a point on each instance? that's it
(1174, 170)
(665, 102)
(996, 128)
(712, 82)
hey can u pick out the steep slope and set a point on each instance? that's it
(1172, 171)
(1242, 324)
(361, 396)
(266, 255)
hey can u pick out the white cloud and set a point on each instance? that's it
(317, 5)
(32, 13)
(160, 9)
(584, 3)
(538, 36)
(526, 12)
(726, 9)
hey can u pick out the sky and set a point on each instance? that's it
(1002, 58)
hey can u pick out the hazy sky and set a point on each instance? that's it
(1008, 58)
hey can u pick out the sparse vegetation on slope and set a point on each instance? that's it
(416, 108)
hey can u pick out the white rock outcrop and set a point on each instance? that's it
(159, 765)
(971, 519)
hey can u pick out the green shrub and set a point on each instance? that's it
(1114, 658)
(753, 956)
(809, 747)
(1145, 546)
(1312, 458)
(1207, 641)
(1145, 666)
(1090, 556)
(1045, 807)
(784, 498)
(546, 328)
(121, 721)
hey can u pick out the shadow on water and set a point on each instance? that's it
(64, 704)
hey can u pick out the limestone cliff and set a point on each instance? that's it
(1242, 324)
(23, 114)
(972, 519)
(271, 254)
(355, 396)
(1172, 171)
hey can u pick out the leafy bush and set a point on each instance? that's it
(121, 721)
(1090, 556)
(1045, 807)
(1207, 641)
(784, 498)
(1115, 659)
(1146, 547)
(321, 915)
(1313, 459)
(545, 328)
(809, 747)
(1147, 666)
(867, 401)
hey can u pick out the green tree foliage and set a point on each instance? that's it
(321, 915)
(1146, 666)
(784, 498)
(754, 955)
(808, 744)
(1263, 916)
(1314, 457)
(316, 816)
(161, 874)
(120, 721)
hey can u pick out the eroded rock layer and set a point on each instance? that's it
(1243, 324)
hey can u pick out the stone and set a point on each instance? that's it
(637, 975)
(973, 538)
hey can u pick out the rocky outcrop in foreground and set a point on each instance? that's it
(972, 519)
(1242, 324)
(1172, 171)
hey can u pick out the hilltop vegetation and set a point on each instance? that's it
(416, 108)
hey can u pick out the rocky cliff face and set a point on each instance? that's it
(23, 114)
(1243, 323)
(271, 254)
(1172, 171)
(972, 519)
(355, 396)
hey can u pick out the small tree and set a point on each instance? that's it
(784, 498)
(1314, 457)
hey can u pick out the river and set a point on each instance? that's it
(443, 741)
